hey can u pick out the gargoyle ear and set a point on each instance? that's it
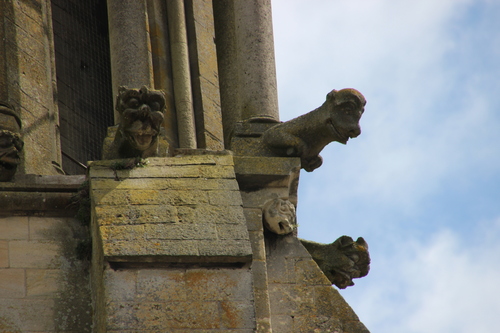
(331, 95)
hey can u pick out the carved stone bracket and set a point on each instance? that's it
(279, 216)
(11, 143)
(342, 260)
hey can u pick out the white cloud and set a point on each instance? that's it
(423, 177)
(434, 285)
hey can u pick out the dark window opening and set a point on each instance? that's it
(85, 97)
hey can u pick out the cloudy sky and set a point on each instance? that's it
(422, 182)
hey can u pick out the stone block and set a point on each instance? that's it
(4, 254)
(193, 314)
(211, 214)
(237, 314)
(232, 231)
(120, 285)
(202, 184)
(12, 283)
(135, 214)
(43, 282)
(161, 285)
(167, 171)
(162, 317)
(49, 228)
(180, 231)
(225, 198)
(218, 284)
(253, 217)
(122, 232)
(283, 324)
(308, 272)
(34, 254)
(257, 199)
(134, 251)
(28, 315)
(229, 248)
(257, 242)
(15, 227)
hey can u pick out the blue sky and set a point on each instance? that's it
(421, 183)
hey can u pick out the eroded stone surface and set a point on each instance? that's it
(279, 216)
(342, 260)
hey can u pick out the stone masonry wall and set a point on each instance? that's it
(27, 80)
(171, 247)
(44, 286)
(302, 298)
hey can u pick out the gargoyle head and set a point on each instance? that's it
(354, 261)
(141, 115)
(342, 260)
(279, 216)
(346, 106)
(11, 144)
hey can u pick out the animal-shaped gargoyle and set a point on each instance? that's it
(139, 130)
(305, 136)
(342, 260)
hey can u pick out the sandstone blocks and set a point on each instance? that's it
(180, 209)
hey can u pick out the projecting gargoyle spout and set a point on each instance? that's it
(342, 260)
(306, 136)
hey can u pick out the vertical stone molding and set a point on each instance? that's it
(181, 73)
(130, 46)
(27, 80)
(162, 64)
(204, 74)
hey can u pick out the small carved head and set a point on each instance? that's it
(346, 108)
(11, 144)
(141, 115)
(279, 216)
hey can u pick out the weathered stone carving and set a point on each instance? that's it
(342, 260)
(279, 216)
(305, 136)
(139, 131)
(11, 143)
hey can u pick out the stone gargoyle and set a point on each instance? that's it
(11, 143)
(279, 216)
(342, 260)
(139, 130)
(305, 136)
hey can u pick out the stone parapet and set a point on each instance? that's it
(184, 209)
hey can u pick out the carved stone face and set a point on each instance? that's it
(279, 216)
(347, 107)
(11, 144)
(141, 114)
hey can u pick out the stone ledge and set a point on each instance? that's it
(256, 172)
(179, 209)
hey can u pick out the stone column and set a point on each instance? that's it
(245, 52)
(181, 73)
(256, 57)
(130, 47)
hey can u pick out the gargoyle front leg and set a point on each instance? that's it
(311, 163)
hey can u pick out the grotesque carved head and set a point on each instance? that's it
(141, 115)
(11, 144)
(279, 216)
(346, 107)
